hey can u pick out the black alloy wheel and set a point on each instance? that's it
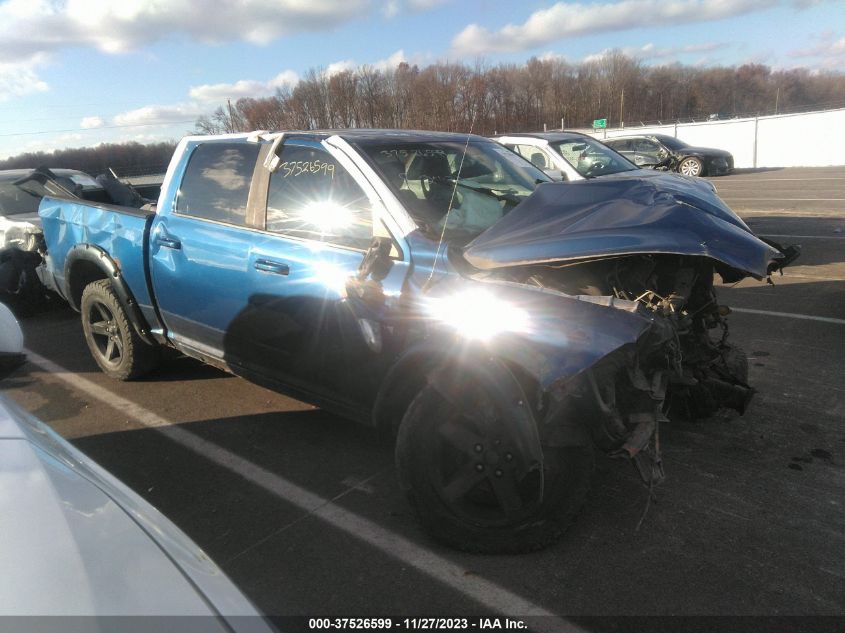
(115, 345)
(108, 339)
(471, 486)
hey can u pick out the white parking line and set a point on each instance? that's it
(485, 592)
(806, 237)
(790, 315)
(723, 181)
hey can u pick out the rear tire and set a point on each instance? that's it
(112, 340)
(437, 458)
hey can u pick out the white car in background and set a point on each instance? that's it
(567, 155)
(75, 541)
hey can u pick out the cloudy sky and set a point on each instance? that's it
(80, 72)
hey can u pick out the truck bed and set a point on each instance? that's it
(122, 232)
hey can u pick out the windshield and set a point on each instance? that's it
(671, 142)
(591, 158)
(455, 189)
(16, 201)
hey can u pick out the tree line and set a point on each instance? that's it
(485, 99)
(126, 159)
(521, 97)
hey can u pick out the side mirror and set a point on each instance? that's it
(11, 342)
(376, 262)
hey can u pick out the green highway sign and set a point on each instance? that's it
(598, 123)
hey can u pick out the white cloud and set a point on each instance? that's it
(201, 97)
(341, 66)
(564, 20)
(551, 56)
(391, 9)
(30, 27)
(218, 93)
(828, 53)
(418, 6)
(388, 63)
(91, 122)
(650, 51)
(19, 78)
(160, 115)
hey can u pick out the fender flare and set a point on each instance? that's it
(445, 366)
(111, 271)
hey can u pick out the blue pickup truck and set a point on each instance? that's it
(436, 285)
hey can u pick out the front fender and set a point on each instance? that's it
(448, 367)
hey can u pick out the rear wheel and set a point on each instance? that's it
(112, 340)
(691, 167)
(470, 485)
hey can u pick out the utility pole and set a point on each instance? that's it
(622, 110)
(777, 98)
(231, 125)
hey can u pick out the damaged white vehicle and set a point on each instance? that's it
(23, 284)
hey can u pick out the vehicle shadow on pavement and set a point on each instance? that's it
(726, 533)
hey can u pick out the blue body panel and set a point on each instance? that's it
(120, 232)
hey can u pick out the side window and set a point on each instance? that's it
(532, 153)
(620, 146)
(525, 151)
(216, 182)
(312, 197)
(647, 146)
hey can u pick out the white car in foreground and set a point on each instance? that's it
(75, 541)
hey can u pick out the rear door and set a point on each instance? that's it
(202, 252)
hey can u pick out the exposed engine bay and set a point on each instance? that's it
(692, 375)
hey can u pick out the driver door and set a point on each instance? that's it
(297, 327)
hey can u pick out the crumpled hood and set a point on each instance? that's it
(606, 217)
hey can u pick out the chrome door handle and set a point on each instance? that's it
(168, 242)
(269, 266)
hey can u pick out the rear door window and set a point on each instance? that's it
(646, 146)
(217, 181)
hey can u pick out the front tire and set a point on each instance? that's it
(463, 479)
(112, 340)
(691, 167)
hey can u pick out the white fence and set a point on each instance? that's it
(810, 139)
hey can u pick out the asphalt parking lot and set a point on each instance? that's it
(303, 511)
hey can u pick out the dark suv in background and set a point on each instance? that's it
(662, 151)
